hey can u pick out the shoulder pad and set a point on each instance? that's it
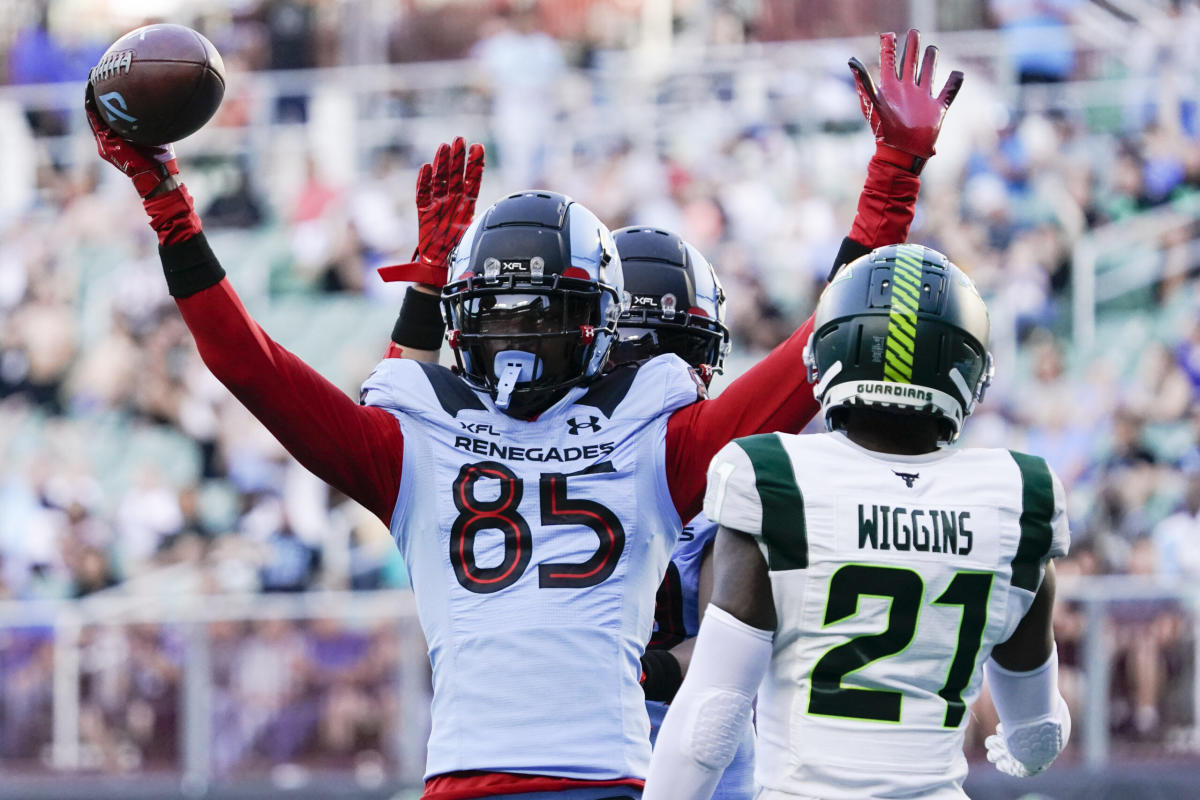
(403, 384)
(644, 388)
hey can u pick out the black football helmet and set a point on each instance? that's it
(904, 329)
(676, 302)
(532, 301)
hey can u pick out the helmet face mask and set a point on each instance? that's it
(698, 341)
(533, 298)
(677, 304)
(901, 329)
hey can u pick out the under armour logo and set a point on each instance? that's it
(909, 478)
(590, 424)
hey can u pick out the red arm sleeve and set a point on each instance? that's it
(774, 395)
(885, 206)
(354, 448)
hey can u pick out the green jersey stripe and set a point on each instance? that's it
(783, 525)
(1037, 509)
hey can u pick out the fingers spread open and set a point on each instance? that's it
(474, 172)
(458, 158)
(950, 90)
(928, 66)
(912, 48)
(424, 186)
(441, 170)
(887, 56)
(862, 79)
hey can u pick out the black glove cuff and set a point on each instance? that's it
(190, 266)
(849, 251)
(663, 675)
(420, 324)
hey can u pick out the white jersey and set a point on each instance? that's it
(893, 578)
(535, 548)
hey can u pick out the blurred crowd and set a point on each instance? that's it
(319, 693)
(124, 466)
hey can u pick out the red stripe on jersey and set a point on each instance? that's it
(470, 785)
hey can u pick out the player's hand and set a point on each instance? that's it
(1041, 744)
(146, 166)
(902, 111)
(446, 195)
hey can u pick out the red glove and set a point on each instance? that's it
(446, 194)
(146, 166)
(903, 113)
(172, 214)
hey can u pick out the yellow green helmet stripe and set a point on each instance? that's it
(902, 320)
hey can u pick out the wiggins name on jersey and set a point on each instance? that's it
(893, 578)
(534, 549)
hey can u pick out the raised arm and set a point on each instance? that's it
(356, 449)
(446, 193)
(775, 395)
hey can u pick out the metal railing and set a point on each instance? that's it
(199, 627)
(634, 94)
(1098, 596)
(190, 619)
(1125, 256)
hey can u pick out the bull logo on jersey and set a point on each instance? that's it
(590, 424)
(909, 478)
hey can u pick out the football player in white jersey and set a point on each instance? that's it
(677, 305)
(536, 497)
(870, 576)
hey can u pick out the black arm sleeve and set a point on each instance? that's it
(190, 266)
(849, 251)
(420, 324)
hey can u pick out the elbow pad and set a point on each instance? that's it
(706, 723)
(1037, 744)
(1035, 723)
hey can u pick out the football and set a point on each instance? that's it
(158, 83)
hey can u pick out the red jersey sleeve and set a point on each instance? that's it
(775, 395)
(356, 449)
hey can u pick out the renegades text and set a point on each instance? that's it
(482, 447)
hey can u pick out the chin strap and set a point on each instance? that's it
(513, 366)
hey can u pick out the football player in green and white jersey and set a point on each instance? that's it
(870, 576)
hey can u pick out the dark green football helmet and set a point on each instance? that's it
(902, 329)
